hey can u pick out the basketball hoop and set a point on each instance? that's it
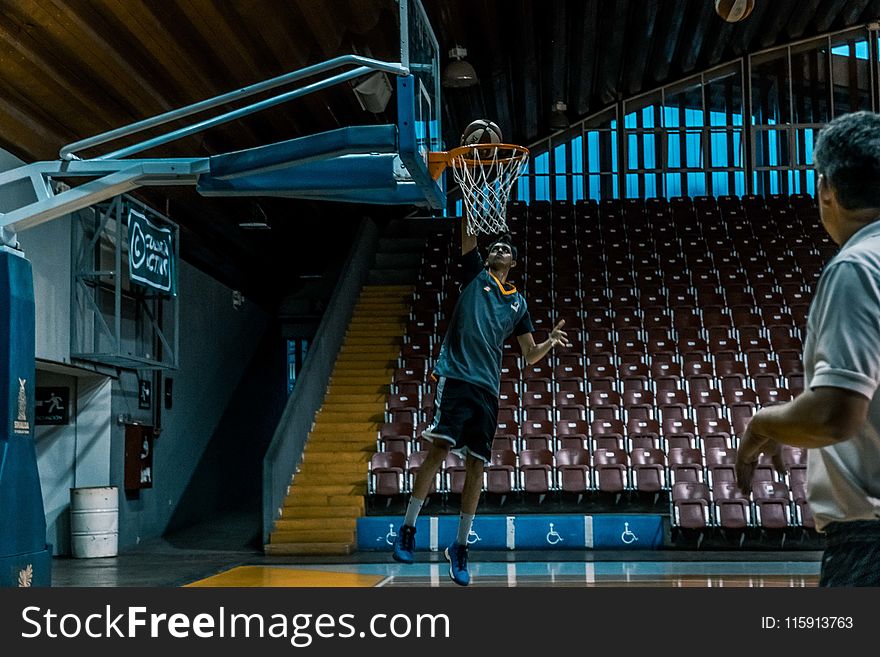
(485, 173)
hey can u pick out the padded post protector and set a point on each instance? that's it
(24, 557)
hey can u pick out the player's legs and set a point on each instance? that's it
(473, 484)
(425, 477)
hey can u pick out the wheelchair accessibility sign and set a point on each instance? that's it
(637, 532)
(549, 532)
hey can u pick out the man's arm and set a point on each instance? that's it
(533, 352)
(468, 241)
(816, 418)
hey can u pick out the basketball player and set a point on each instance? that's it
(468, 370)
(837, 417)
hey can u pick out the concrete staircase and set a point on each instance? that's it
(326, 495)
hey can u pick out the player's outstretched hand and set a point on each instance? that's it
(558, 336)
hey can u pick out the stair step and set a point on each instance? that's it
(336, 417)
(345, 428)
(364, 365)
(300, 549)
(321, 511)
(329, 489)
(374, 332)
(311, 477)
(334, 523)
(384, 289)
(366, 444)
(356, 398)
(307, 499)
(322, 439)
(382, 313)
(314, 536)
(366, 379)
(380, 341)
(347, 388)
(367, 408)
(344, 456)
(329, 469)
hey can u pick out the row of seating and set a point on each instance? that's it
(686, 316)
(701, 486)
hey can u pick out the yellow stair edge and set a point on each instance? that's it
(302, 549)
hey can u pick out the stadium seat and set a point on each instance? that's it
(536, 471)
(732, 510)
(690, 505)
(611, 467)
(772, 504)
(501, 473)
(387, 473)
(573, 470)
(685, 462)
(648, 469)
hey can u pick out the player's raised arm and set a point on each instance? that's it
(468, 241)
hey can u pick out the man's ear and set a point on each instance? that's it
(824, 193)
(512, 264)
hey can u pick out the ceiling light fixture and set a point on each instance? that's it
(374, 92)
(459, 72)
(558, 119)
(257, 221)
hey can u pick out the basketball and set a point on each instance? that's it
(734, 11)
(481, 131)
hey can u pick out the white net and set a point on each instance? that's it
(486, 173)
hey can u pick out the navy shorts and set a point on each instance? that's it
(465, 416)
(852, 554)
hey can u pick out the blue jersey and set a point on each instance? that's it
(486, 314)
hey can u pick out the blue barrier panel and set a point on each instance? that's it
(635, 532)
(526, 531)
(377, 533)
(559, 532)
(487, 532)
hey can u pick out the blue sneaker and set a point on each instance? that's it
(405, 544)
(457, 556)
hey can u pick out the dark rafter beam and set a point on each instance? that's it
(558, 49)
(748, 29)
(496, 89)
(637, 58)
(705, 21)
(827, 14)
(719, 45)
(614, 24)
(663, 60)
(583, 60)
(851, 12)
(806, 10)
(524, 40)
(781, 15)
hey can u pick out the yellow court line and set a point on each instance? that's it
(265, 576)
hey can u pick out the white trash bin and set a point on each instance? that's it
(94, 521)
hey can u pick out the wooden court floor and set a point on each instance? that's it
(524, 574)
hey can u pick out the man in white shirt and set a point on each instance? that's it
(837, 417)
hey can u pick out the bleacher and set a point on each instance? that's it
(685, 317)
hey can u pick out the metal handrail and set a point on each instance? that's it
(367, 65)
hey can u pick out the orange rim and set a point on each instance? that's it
(469, 156)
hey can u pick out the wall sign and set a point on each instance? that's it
(151, 254)
(52, 405)
(145, 394)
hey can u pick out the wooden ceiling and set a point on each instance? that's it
(70, 69)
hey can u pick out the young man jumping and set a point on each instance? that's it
(468, 372)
